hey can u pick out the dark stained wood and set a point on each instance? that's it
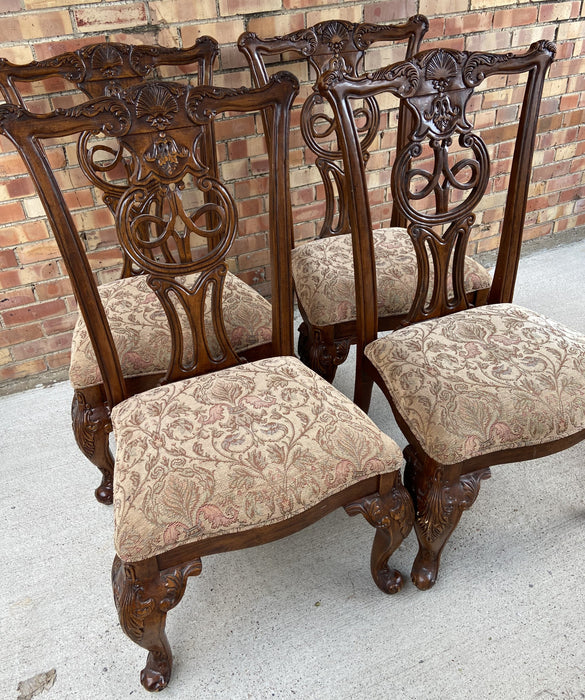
(436, 86)
(335, 45)
(160, 125)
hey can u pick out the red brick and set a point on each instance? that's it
(566, 182)
(42, 346)
(468, 22)
(28, 274)
(7, 259)
(109, 17)
(20, 334)
(34, 313)
(312, 212)
(249, 243)
(552, 12)
(251, 207)
(11, 211)
(22, 369)
(36, 252)
(104, 258)
(24, 233)
(19, 187)
(575, 118)
(59, 324)
(251, 188)
(515, 18)
(393, 12)
(11, 164)
(254, 260)
(54, 289)
(253, 225)
(59, 359)
(34, 25)
(18, 297)
(237, 127)
(569, 102)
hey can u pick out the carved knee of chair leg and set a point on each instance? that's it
(326, 354)
(143, 596)
(440, 495)
(92, 428)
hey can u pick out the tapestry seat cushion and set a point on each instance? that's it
(228, 451)
(483, 380)
(141, 330)
(325, 284)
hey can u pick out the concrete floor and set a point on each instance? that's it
(301, 618)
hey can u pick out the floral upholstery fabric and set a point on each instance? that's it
(141, 331)
(224, 452)
(486, 379)
(324, 276)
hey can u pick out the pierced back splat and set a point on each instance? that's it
(334, 45)
(161, 126)
(108, 69)
(441, 173)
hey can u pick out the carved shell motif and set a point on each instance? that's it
(335, 35)
(107, 61)
(440, 69)
(157, 104)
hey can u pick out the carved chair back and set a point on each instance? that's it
(335, 45)
(107, 69)
(440, 174)
(161, 126)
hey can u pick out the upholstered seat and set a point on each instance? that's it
(225, 452)
(325, 281)
(141, 331)
(484, 380)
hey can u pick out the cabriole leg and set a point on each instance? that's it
(92, 428)
(391, 512)
(143, 596)
(440, 494)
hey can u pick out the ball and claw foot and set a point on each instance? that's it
(105, 492)
(389, 581)
(156, 674)
(425, 570)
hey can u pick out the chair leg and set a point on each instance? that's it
(320, 351)
(391, 512)
(92, 428)
(362, 388)
(143, 596)
(440, 495)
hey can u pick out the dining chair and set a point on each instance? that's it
(137, 320)
(322, 268)
(470, 387)
(224, 454)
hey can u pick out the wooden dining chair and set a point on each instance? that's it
(470, 387)
(322, 269)
(137, 320)
(223, 454)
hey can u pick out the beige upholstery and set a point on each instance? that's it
(141, 330)
(487, 379)
(221, 453)
(324, 276)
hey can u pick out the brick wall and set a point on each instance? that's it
(37, 311)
